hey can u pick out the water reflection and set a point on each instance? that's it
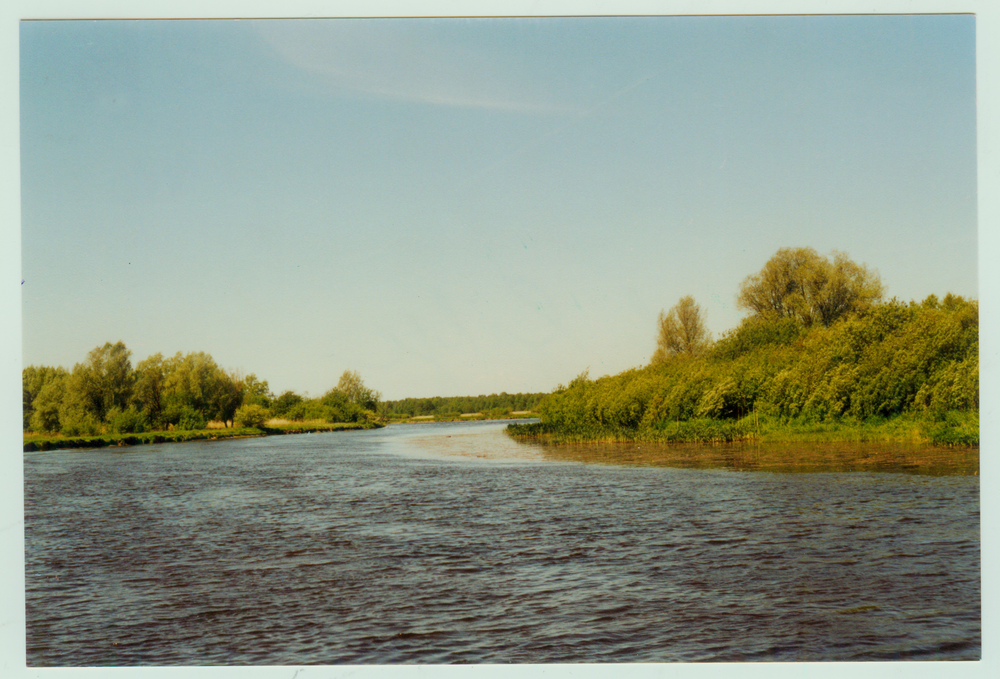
(776, 457)
(479, 441)
(486, 441)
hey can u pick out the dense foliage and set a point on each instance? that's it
(452, 406)
(820, 349)
(919, 361)
(801, 284)
(106, 394)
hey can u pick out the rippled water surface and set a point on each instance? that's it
(443, 543)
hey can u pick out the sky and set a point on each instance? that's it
(469, 206)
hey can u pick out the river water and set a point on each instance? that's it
(449, 543)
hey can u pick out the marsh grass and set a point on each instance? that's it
(686, 431)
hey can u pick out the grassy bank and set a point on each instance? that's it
(39, 442)
(954, 428)
(689, 431)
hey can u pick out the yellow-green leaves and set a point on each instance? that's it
(801, 284)
(682, 331)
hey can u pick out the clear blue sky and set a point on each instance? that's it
(459, 207)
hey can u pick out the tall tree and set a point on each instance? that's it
(33, 380)
(682, 331)
(105, 380)
(149, 393)
(226, 395)
(191, 385)
(801, 284)
(256, 392)
(354, 389)
(285, 402)
(48, 402)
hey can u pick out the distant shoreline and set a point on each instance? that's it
(463, 417)
(50, 442)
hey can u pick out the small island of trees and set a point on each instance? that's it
(821, 356)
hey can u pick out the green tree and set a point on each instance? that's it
(284, 403)
(194, 382)
(310, 409)
(104, 381)
(225, 397)
(149, 393)
(33, 380)
(842, 287)
(339, 407)
(354, 389)
(799, 283)
(256, 391)
(682, 331)
(48, 402)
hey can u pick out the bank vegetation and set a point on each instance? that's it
(822, 356)
(105, 400)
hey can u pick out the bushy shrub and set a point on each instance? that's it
(884, 363)
(756, 332)
(340, 408)
(128, 421)
(283, 404)
(77, 422)
(955, 428)
(308, 410)
(251, 415)
(189, 419)
(955, 387)
(46, 407)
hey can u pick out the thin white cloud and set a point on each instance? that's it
(540, 139)
(408, 60)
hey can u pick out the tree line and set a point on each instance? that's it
(106, 393)
(820, 344)
(452, 406)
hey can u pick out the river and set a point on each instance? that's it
(451, 543)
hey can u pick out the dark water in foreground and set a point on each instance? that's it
(451, 543)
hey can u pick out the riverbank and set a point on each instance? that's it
(952, 429)
(42, 442)
(897, 372)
